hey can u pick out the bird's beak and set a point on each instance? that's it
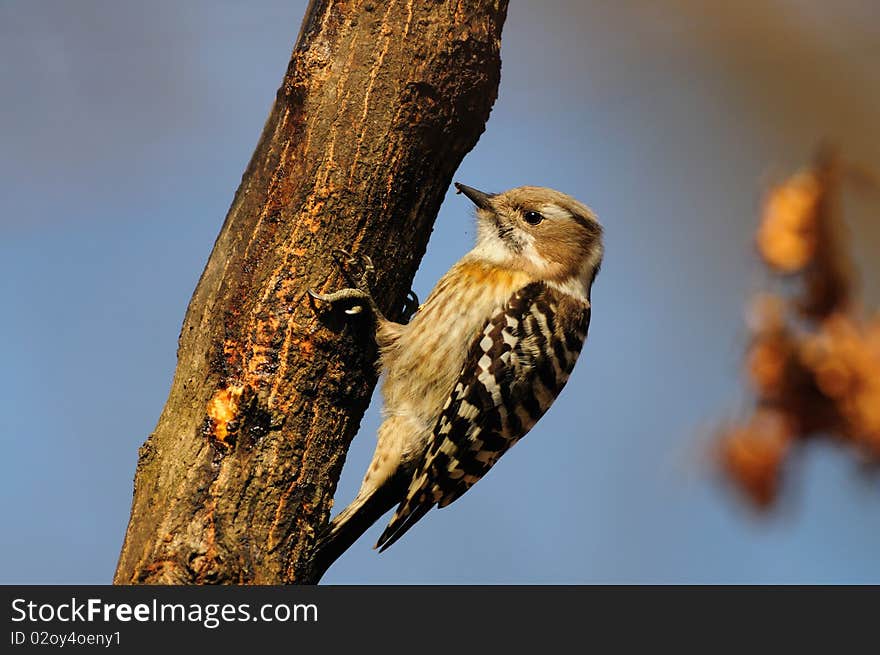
(480, 199)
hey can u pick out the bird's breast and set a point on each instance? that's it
(423, 364)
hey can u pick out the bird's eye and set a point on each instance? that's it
(533, 218)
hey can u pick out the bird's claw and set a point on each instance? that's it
(358, 268)
(410, 306)
(358, 297)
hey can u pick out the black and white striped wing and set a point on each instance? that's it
(515, 369)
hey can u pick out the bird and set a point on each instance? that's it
(478, 363)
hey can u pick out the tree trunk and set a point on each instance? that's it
(380, 103)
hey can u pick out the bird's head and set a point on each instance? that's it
(543, 232)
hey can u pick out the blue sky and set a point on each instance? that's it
(124, 130)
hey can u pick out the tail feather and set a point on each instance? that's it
(400, 524)
(353, 521)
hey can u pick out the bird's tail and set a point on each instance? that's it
(353, 521)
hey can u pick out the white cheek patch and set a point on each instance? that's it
(530, 252)
(578, 286)
(493, 248)
(490, 246)
(573, 286)
(594, 259)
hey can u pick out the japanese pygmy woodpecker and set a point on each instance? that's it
(481, 360)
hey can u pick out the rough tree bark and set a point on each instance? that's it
(379, 104)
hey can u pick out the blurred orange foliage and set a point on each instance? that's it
(813, 361)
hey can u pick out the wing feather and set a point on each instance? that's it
(515, 368)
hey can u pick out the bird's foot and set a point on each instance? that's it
(410, 306)
(357, 268)
(359, 271)
(354, 300)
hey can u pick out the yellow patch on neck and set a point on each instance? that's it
(486, 274)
